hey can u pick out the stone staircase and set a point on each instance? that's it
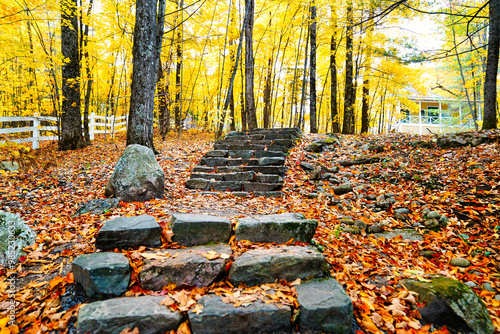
(246, 162)
(321, 304)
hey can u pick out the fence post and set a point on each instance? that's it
(36, 134)
(92, 125)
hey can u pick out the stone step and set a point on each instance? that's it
(263, 136)
(213, 162)
(238, 147)
(296, 131)
(268, 170)
(227, 186)
(257, 317)
(243, 154)
(242, 162)
(216, 154)
(199, 183)
(268, 178)
(239, 176)
(195, 266)
(263, 154)
(208, 176)
(125, 232)
(276, 228)
(102, 274)
(217, 169)
(271, 161)
(221, 145)
(268, 193)
(261, 266)
(265, 169)
(324, 307)
(113, 316)
(193, 230)
(257, 186)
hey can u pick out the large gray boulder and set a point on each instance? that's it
(197, 266)
(124, 232)
(137, 176)
(192, 230)
(452, 303)
(102, 274)
(112, 316)
(258, 317)
(261, 266)
(276, 228)
(324, 307)
(15, 234)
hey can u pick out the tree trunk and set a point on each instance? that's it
(249, 66)
(365, 107)
(90, 81)
(313, 126)
(348, 122)
(365, 117)
(178, 96)
(71, 123)
(144, 75)
(490, 80)
(267, 94)
(333, 73)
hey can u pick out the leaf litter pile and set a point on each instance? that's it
(460, 183)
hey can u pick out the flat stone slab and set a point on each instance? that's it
(241, 176)
(265, 169)
(199, 183)
(207, 176)
(192, 230)
(268, 178)
(276, 228)
(227, 186)
(102, 274)
(271, 161)
(256, 186)
(324, 306)
(258, 317)
(213, 162)
(264, 154)
(244, 154)
(197, 266)
(216, 154)
(260, 266)
(124, 232)
(112, 316)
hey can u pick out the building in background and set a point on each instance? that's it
(437, 114)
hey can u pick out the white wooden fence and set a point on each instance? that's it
(97, 124)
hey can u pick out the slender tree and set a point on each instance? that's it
(249, 66)
(333, 74)
(71, 123)
(312, 71)
(348, 123)
(144, 75)
(490, 81)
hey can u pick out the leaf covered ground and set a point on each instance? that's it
(462, 183)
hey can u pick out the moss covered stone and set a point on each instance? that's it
(445, 294)
(276, 228)
(15, 234)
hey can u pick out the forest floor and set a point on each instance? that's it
(462, 183)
